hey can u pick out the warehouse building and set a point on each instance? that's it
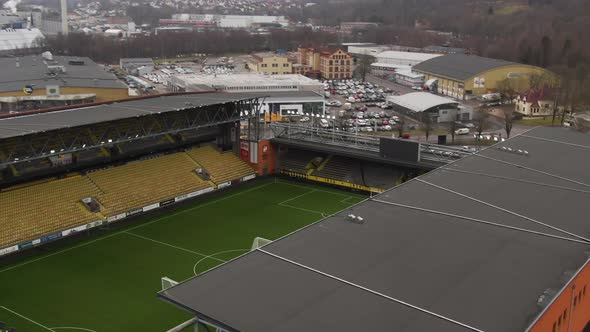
(463, 76)
(33, 82)
(270, 64)
(403, 58)
(225, 21)
(18, 41)
(244, 83)
(389, 63)
(441, 109)
(137, 66)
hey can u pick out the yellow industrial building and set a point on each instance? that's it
(35, 82)
(270, 64)
(461, 75)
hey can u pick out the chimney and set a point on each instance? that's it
(64, 17)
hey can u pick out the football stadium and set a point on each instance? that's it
(178, 212)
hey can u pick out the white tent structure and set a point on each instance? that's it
(443, 109)
(18, 39)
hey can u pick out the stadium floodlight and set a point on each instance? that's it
(110, 140)
(52, 151)
(496, 139)
(503, 139)
(83, 146)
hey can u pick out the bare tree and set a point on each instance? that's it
(364, 66)
(426, 124)
(508, 120)
(452, 129)
(482, 120)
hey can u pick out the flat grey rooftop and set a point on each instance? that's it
(41, 122)
(32, 70)
(469, 246)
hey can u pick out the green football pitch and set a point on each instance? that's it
(108, 281)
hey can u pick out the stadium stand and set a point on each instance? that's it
(29, 212)
(36, 209)
(221, 166)
(297, 160)
(140, 183)
(341, 169)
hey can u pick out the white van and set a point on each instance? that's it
(462, 131)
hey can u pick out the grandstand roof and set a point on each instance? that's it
(460, 66)
(41, 122)
(468, 247)
(420, 101)
(21, 71)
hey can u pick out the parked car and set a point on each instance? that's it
(462, 131)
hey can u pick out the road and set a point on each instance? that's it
(400, 89)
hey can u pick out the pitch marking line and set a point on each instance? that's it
(215, 254)
(296, 197)
(26, 318)
(318, 190)
(72, 328)
(345, 201)
(136, 227)
(172, 246)
(306, 210)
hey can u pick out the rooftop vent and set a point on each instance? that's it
(546, 298)
(514, 150)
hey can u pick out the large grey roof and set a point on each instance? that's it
(41, 122)
(459, 66)
(32, 69)
(476, 242)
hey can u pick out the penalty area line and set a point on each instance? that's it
(26, 318)
(215, 254)
(172, 246)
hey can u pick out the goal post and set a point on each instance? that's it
(259, 242)
(168, 283)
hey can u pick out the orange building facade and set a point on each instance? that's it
(570, 310)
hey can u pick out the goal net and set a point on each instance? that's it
(259, 242)
(167, 283)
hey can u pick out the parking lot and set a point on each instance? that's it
(360, 106)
